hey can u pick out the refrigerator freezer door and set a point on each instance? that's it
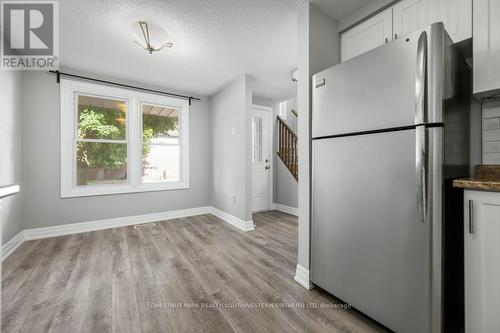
(376, 90)
(369, 248)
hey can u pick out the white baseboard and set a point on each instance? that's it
(287, 209)
(302, 277)
(75, 228)
(9, 247)
(233, 220)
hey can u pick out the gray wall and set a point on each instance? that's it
(10, 151)
(318, 49)
(230, 109)
(262, 101)
(43, 206)
(286, 187)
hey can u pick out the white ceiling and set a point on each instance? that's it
(214, 42)
(337, 9)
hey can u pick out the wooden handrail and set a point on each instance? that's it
(287, 148)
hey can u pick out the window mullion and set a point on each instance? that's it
(134, 143)
(101, 141)
(165, 144)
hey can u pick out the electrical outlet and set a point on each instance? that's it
(233, 131)
(234, 199)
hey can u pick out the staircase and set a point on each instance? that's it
(287, 148)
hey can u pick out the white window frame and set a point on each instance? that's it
(69, 90)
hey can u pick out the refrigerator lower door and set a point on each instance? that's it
(368, 246)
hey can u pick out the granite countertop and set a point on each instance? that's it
(486, 178)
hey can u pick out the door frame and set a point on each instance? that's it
(270, 111)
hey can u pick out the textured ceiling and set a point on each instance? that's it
(337, 9)
(214, 42)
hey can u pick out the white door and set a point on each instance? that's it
(410, 16)
(261, 164)
(368, 35)
(482, 272)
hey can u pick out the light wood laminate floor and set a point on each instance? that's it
(195, 274)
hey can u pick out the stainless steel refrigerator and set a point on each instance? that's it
(389, 133)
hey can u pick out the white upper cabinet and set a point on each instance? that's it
(456, 16)
(368, 35)
(409, 16)
(486, 47)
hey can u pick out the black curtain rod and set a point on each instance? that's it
(59, 74)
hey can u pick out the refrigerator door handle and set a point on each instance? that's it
(421, 79)
(420, 130)
(421, 173)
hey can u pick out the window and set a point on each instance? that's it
(256, 140)
(116, 140)
(101, 141)
(283, 110)
(161, 152)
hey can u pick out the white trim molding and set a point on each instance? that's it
(287, 209)
(76, 228)
(233, 220)
(302, 277)
(9, 247)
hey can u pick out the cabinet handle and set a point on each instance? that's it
(471, 216)
(395, 36)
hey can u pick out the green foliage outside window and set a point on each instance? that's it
(109, 124)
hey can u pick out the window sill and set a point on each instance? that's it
(92, 191)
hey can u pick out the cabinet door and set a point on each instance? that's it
(456, 16)
(486, 49)
(368, 35)
(482, 269)
(409, 16)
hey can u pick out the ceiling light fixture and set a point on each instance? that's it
(147, 40)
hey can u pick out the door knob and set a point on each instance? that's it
(268, 167)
